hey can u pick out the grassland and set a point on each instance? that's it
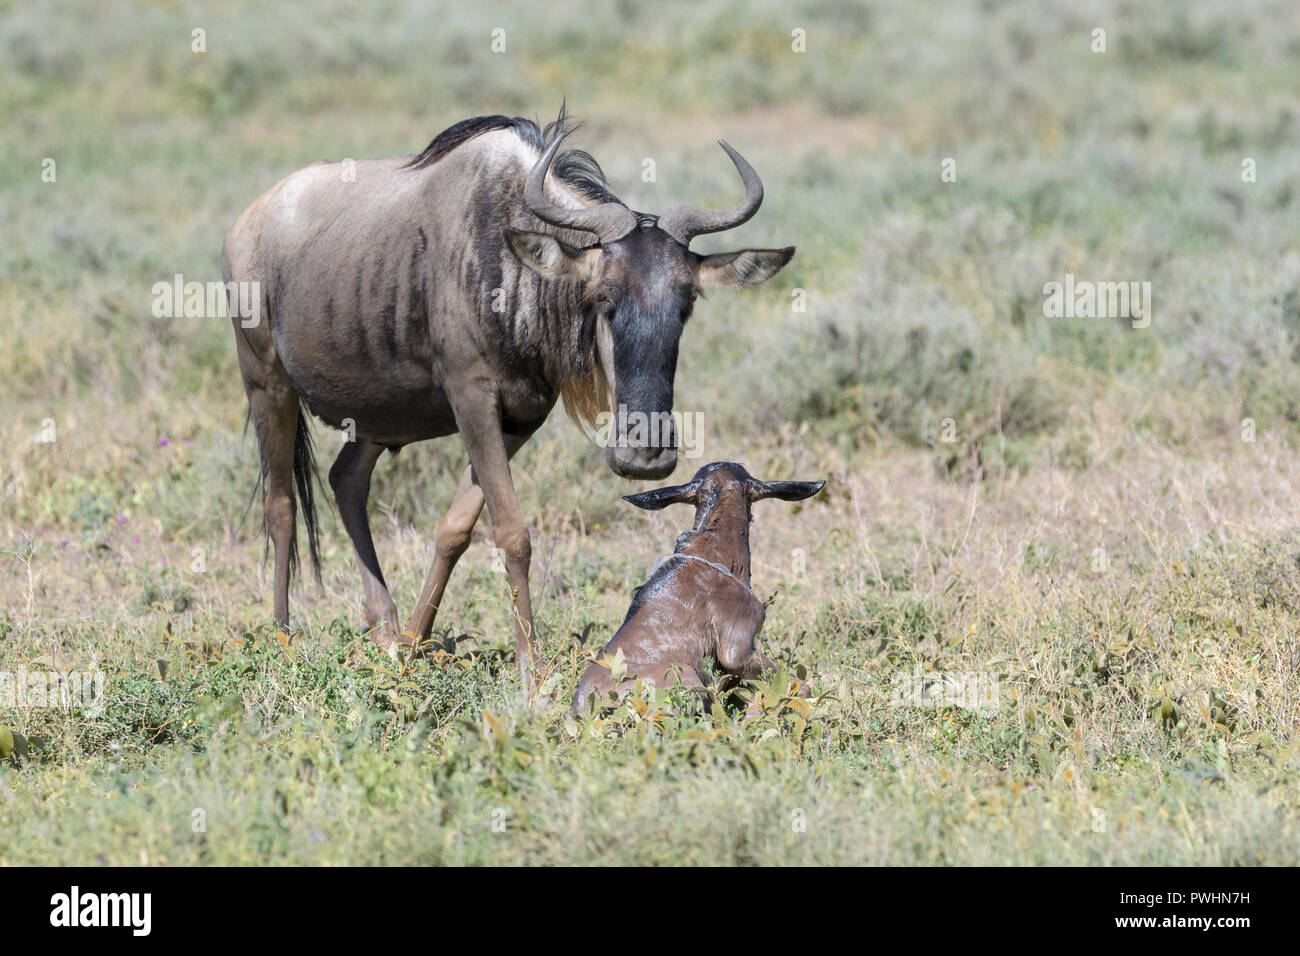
(1097, 519)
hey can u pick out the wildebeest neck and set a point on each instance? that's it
(557, 337)
(721, 534)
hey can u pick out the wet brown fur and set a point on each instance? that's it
(698, 603)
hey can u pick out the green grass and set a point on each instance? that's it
(1066, 508)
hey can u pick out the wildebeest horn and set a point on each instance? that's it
(683, 223)
(608, 220)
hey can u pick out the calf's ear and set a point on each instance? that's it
(785, 490)
(663, 497)
(747, 267)
(551, 258)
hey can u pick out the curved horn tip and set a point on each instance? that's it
(555, 143)
(732, 152)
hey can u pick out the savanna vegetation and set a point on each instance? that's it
(1093, 523)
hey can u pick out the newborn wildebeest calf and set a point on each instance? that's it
(697, 603)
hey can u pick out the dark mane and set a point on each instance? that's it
(574, 167)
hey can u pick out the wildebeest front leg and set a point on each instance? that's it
(737, 655)
(745, 665)
(452, 541)
(350, 479)
(479, 419)
(735, 645)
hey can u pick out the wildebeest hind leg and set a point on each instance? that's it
(350, 479)
(451, 542)
(274, 406)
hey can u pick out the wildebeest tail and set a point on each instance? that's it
(304, 479)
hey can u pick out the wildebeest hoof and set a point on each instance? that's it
(389, 639)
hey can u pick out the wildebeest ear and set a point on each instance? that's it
(785, 490)
(551, 258)
(663, 497)
(738, 269)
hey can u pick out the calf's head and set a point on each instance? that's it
(639, 282)
(723, 489)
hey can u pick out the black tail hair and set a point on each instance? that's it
(305, 479)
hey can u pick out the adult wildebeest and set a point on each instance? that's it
(462, 289)
(697, 603)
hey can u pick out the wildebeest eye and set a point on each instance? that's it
(601, 297)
